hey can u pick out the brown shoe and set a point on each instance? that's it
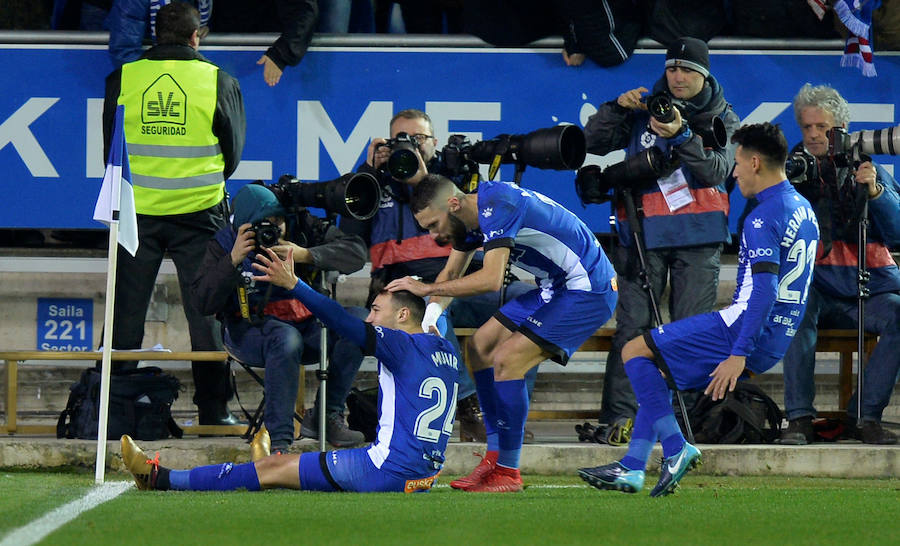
(142, 468)
(471, 421)
(260, 445)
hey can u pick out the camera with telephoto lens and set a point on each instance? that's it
(660, 107)
(354, 195)
(267, 234)
(596, 185)
(557, 148)
(403, 163)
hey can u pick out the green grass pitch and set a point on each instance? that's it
(552, 510)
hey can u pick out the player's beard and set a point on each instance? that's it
(457, 233)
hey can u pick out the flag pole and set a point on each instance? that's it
(100, 465)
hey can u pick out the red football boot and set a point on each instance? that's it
(501, 480)
(488, 462)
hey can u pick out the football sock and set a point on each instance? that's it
(512, 405)
(487, 398)
(653, 396)
(643, 437)
(216, 477)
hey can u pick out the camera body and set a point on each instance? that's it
(801, 166)
(403, 163)
(267, 234)
(595, 185)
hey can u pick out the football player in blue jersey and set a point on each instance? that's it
(576, 294)
(417, 384)
(714, 350)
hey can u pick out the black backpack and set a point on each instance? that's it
(746, 415)
(140, 402)
(362, 406)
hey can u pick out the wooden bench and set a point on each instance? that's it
(14, 358)
(843, 342)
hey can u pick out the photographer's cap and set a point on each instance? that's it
(253, 203)
(689, 53)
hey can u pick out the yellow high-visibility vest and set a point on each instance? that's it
(176, 161)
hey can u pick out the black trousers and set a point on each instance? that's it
(184, 237)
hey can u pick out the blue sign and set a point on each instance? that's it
(65, 324)
(318, 121)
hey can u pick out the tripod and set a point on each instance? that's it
(862, 292)
(637, 230)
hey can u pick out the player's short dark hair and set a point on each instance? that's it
(405, 298)
(176, 23)
(765, 139)
(428, 189)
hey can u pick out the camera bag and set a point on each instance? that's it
(140, 402)
(363, 411)
(746, 415)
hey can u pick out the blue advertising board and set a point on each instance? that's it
(318, 121)
(65, 324)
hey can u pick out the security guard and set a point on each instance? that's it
(184, 127)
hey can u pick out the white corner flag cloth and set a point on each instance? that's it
(116, 200)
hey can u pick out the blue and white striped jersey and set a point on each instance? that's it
(417, 378)
(780, 236)
(545, 238)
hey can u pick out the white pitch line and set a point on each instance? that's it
(550, 486)
(43, 526)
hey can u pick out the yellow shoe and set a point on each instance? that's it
(260, 445)
(143, 469)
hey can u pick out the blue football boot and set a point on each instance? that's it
(674, 468)
(613, 476)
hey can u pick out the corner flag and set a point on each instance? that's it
(116, 200)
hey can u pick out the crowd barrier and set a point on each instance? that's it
(317, 122)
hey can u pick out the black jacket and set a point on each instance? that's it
(229, 120)
(294, 19)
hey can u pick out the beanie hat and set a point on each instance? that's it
(689, 53)
(253, 203)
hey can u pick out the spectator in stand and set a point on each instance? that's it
(344, 16)
(605, 33)
(294, 19)
(130, 21)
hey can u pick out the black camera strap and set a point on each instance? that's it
(244, 304)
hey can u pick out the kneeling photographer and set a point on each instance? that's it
(264, 325)
(683, 208)
(825, 172)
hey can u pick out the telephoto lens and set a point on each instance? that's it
(660, 107)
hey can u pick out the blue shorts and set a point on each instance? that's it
(692, 348)
(561, 325)
(352, 470)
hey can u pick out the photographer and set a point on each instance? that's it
(274, 330)
(684, 213)
(833, 294)
(398, 247)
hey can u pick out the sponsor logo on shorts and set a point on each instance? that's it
(535, 322)
(423, 484)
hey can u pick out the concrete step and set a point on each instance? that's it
(840, 460)
(44, 390)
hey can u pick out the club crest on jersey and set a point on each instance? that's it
(757, 222)
(487, 212)
(648, 139)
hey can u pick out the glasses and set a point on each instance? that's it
(421, 138)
